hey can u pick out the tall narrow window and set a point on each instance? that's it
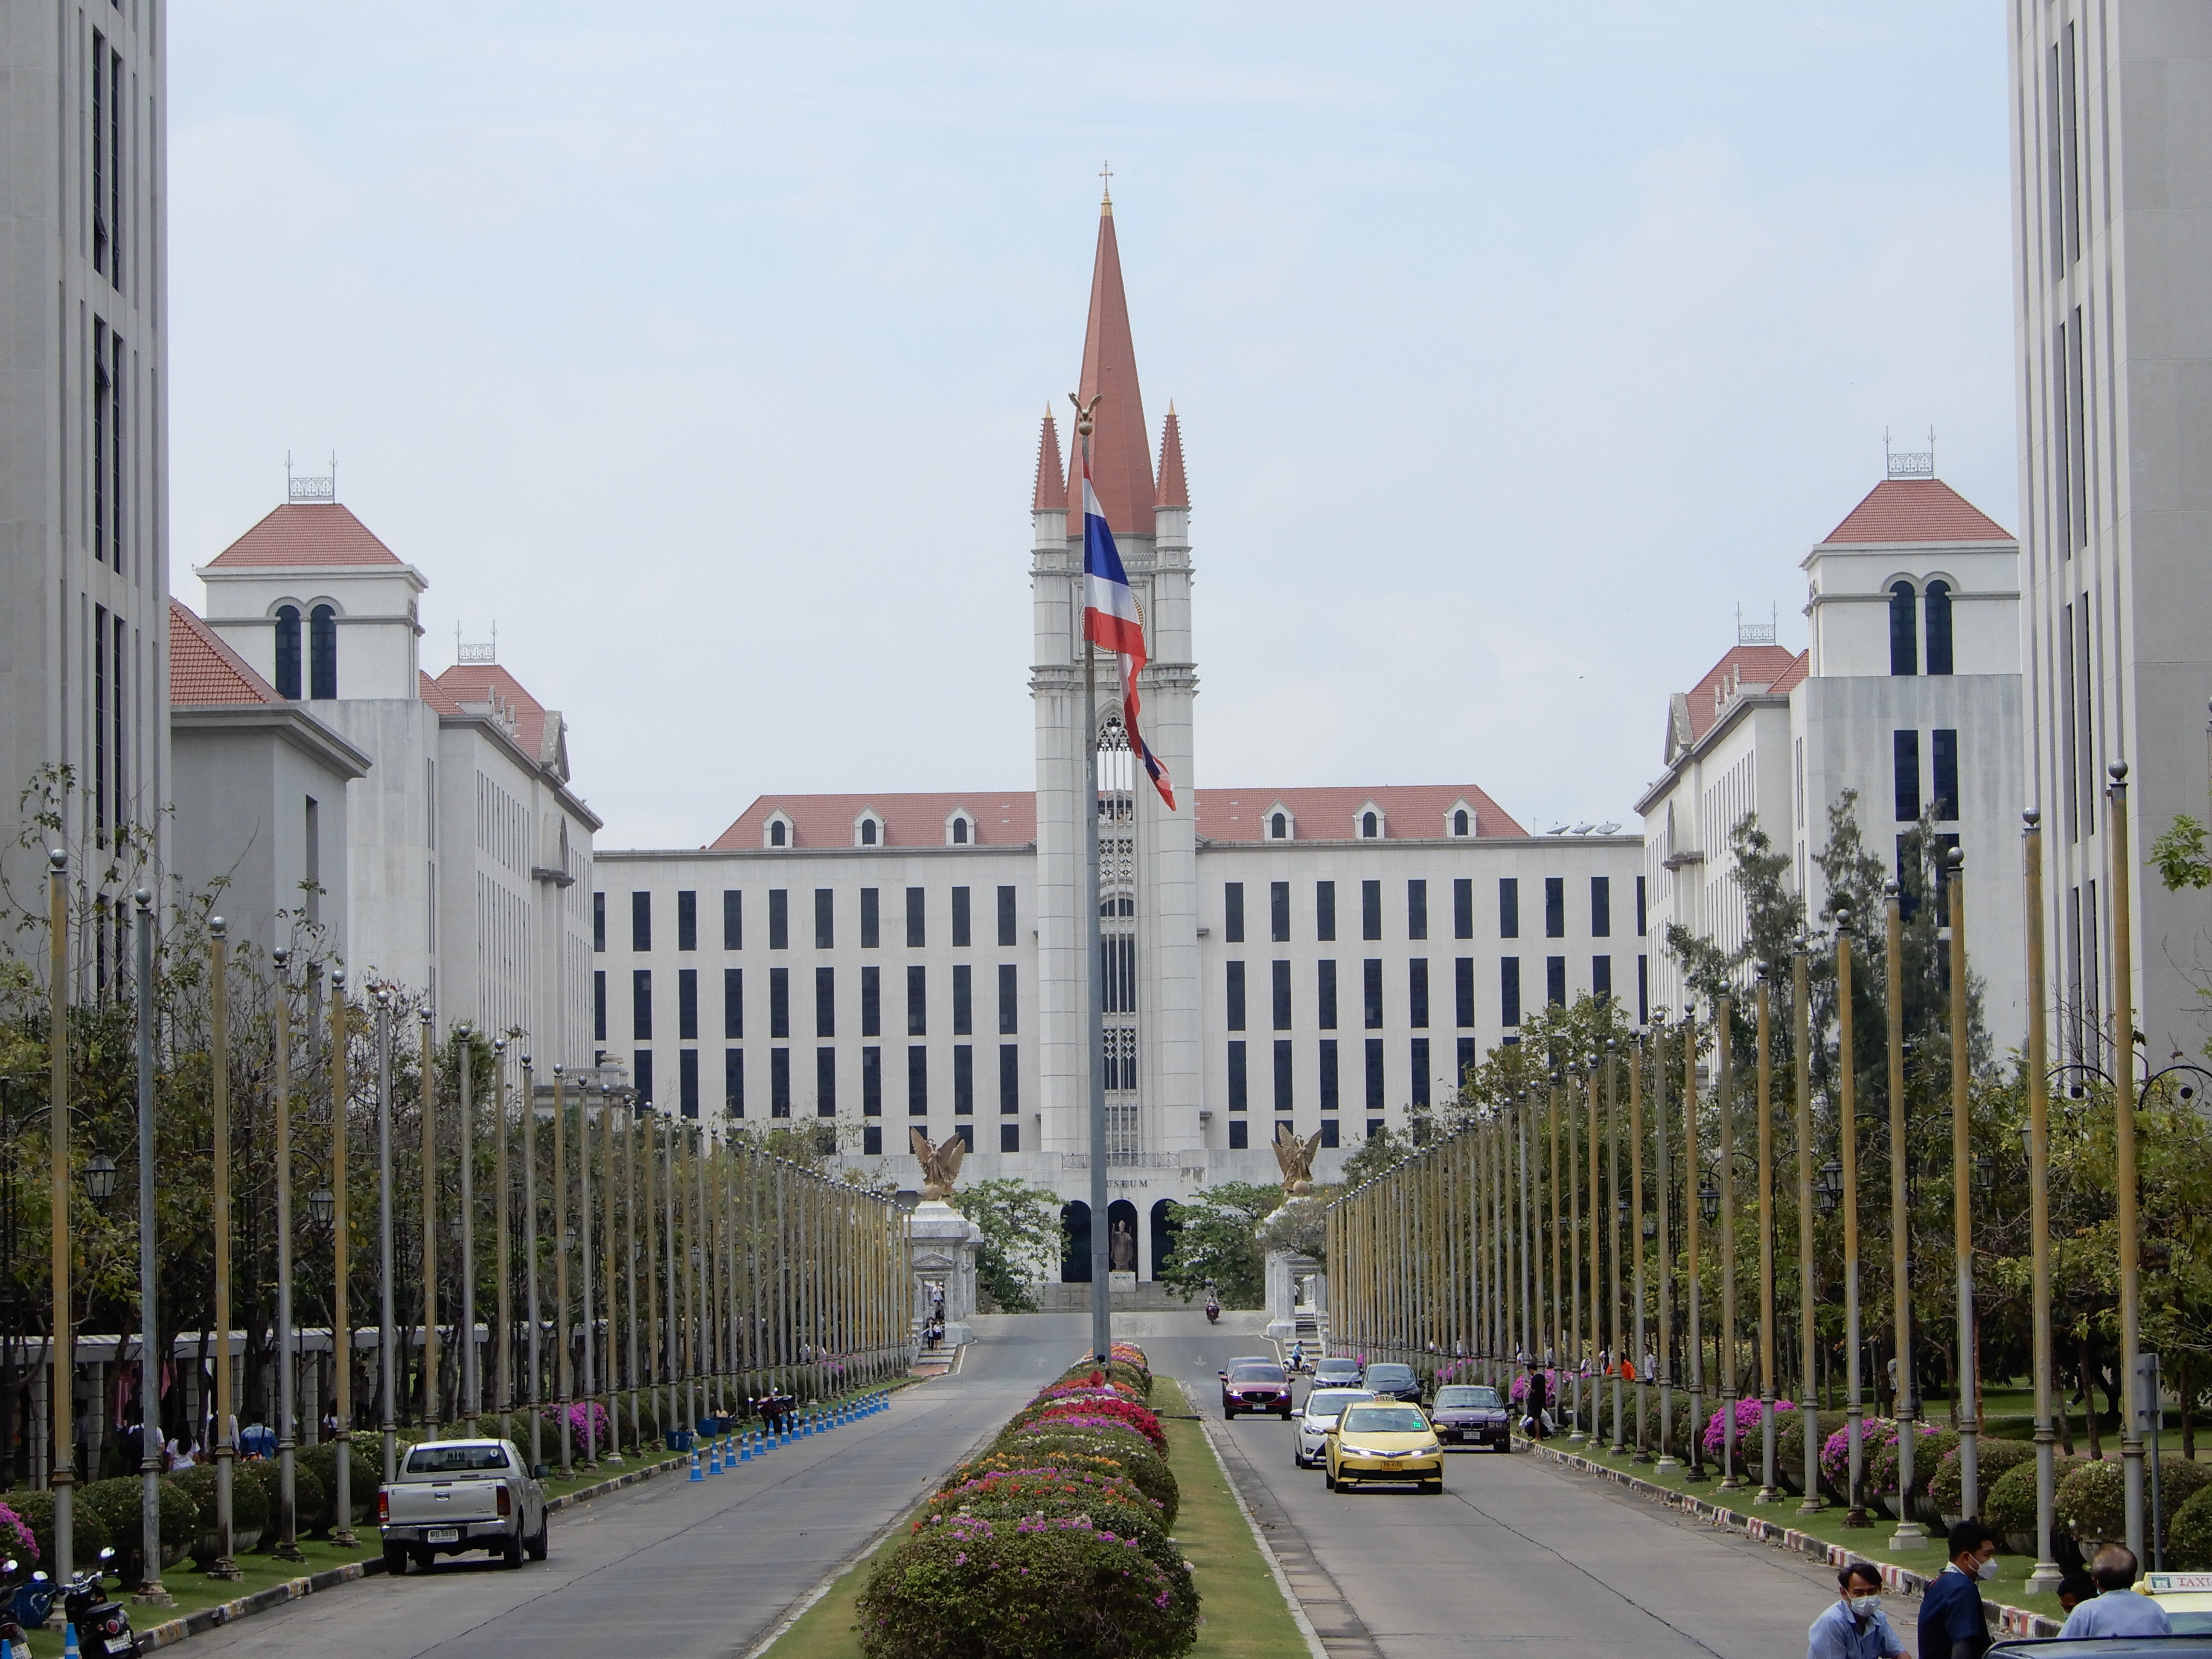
(917, 932)
(1904, 649)
(1234, 995)
(779, 1002)
(1462, 909)
(1416, 992)
(1375, 1074)
(1283, 1075)
(687, 1004)
(641, 921)
(2078, 434)
(2068, 113)
(1417, 1058)
(598, 922)
(1509, 908)
(1281, 999)
(733, 920)
(779, 1081)
(686, 922)
(1279, 912)
(1417, 908)
(779, 836)
(1328, 1084)
(104, 439)
(288, 652)
(825, 1002)
(867, 832)
(825, 1083)
(1232, 912)
(1600, 976)
(1325, 995)
(1010, 1003)
(1459, 821)
(733, 1082)
(100, 236)
(1600, 907)
(872, 1081)
(1371, 987)
(1555, 981)
(825, 918)
(963, 1000)
(2062, 441)
(1278, 827)
(917, 1000)
(871, 1001)
(1006, 915)
(1905, 755)
(1555, 907)
(1369, 826)
(599, 1005)
(963, 1054)
(1640, 911)
(1010, 1082)
(1370, 909)
(687, 1082)
(1509, 990)
(323, 652)
(1237, 1077)
(1943, 767)
(1325, 911)
(1463, 992)
(1937, 605)
(871, 919)
(917, 1080)
(640, 1003)
(779, 919)
(960, 915)
(640, 1071)
(733, 1002)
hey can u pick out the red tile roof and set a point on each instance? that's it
(1917, 510)
(299, 534)
(202, 670)
(478, 683)
(1120, 453)
(1002, 819)
(437, 696)
(1174, 491)
(1750, 664)
(1051, 492)
(1794, 675)
(1409, 811)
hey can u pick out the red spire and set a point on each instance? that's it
(1051, 495)
(1120, 453)
(1174, 491)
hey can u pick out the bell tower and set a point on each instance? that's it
(1149, 909)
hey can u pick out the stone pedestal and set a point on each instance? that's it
(1122, 1284)
(941, 1259)
(1294, 1289)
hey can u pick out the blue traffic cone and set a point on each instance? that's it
(697, 1474)
(713, 1457)
(70, 1649)
(745, 1448)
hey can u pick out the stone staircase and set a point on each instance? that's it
(1147, 1298)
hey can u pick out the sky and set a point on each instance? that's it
(701, 350)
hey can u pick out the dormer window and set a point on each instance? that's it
(1462, 821)
(1278, 822)
(1369, 825)
(959, 830)
(779, 830)
(1279, 827)
(870, 830)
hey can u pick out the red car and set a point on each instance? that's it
(1256, 1388)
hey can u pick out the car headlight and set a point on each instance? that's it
(1365, 1451)
(1423, 1451)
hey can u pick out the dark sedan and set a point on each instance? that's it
(1469, 1415)
(1386, 1382)
(1338, 1372)
(1255, 1388)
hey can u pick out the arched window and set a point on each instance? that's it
(1279, 827)
(322, 652)
(775, 834)
(1904, 656)
(288, 652)
(867, 832)
(1369, 825)
(1939, 627)
(959, 832)
(1459, 821)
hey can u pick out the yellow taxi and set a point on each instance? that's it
(2186, 1597)
(1384, 1440)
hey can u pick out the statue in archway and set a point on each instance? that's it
(1122, 1249)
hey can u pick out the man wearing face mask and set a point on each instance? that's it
(1854, 1628)
(1952, 1623)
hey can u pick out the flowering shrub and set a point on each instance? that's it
(1929, 1445)
(1992, 1458)
(1129, 1353)
(1551, 1386)
(16, 1538)
(1045, 1587)
(576, 1419)
(1134, 1377)
(1083, 1387)
(1746, 1424)
(1110, 1500)
(1123, 1412)
(1132, 1461)
(1874, 1432)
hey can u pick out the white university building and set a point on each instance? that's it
(1323, 958)
(1908, 692)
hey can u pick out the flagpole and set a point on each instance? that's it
(1102, 1284)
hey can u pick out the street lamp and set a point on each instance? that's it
(1847, 1136)
(99, 1178)
(151, 1591)
(2123, 1159)
(2035, 1141)
(1709, 1201)
(288, 1510)
(1910, 1533)
(322, 1204)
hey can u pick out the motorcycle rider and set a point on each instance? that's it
(1212, 1307)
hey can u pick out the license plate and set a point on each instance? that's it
(441, 1535)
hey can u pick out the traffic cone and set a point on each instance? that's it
(745, 1447)
(713, 1457)
(697, 1474)
(70, 1649)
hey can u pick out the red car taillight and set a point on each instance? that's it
(506, 1503)
(383, 1508)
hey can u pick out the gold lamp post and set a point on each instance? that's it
(1768, 1490)
(1724, 1064)
(1802, 1052)
(1962, 1192)
(504, 1251)
(429, 1096)
(2135, 1407)
(1635, 1223)
(1847, 1137)
(341, 1268)
(225, 1446)
(1910, 1533)
(1661, 1137)
(1692, 1202)
(2045, 1577)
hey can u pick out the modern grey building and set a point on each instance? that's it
(84, 568)
(2112, 159)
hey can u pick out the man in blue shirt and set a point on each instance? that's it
(2116, 1610)
(1952, 1623)
(1854, 1628)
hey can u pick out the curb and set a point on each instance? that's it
(1267, 1550)
(171, 1631)
(1897, 1581)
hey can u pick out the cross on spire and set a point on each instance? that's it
(1106, 177)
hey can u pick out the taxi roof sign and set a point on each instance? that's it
(2164, 1583)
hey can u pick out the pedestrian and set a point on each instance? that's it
(1535, 1399)
(2111, 1612)
(2075, 1588)
(1953, 1625)
(1854, 1628)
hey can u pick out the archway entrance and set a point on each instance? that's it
(1164, 1229)
(1075, 1260)
(1121, 1223)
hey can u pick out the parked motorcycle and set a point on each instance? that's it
(29, 1599)
(103, 1628)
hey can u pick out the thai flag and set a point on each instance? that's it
(1110, 620)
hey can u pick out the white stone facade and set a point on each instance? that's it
(2112, 158)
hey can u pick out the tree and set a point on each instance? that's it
(1219, 1243)
(1022, 1231)
(1300, 1226)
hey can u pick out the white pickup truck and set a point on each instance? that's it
(456, 1495)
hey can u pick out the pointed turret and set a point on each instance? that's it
(1051, 495)
(1174, 491)
(1120, 451)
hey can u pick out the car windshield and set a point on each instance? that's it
(1384, 1419)
(456, 1460)
(1257, 1374)
(1339, 1367)
(1329, 1402)
(2190, 1624)
(1390, 1373)
(1465, 1396)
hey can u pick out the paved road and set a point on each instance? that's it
(1515, 1556)
(674, 1568)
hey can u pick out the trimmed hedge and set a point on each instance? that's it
(2188, 1534)
(1098, 1412)
(1147, 1474)
(2010, 1506)
(116, 1501)
(1993, 1459)
(87, 1532)
(1113, 1501)
(322, 1460)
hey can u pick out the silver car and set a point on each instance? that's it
(1317, 1418)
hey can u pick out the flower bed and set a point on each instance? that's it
(1054, 1545)
(1747, 1432)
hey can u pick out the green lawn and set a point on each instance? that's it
(1243, 1613)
